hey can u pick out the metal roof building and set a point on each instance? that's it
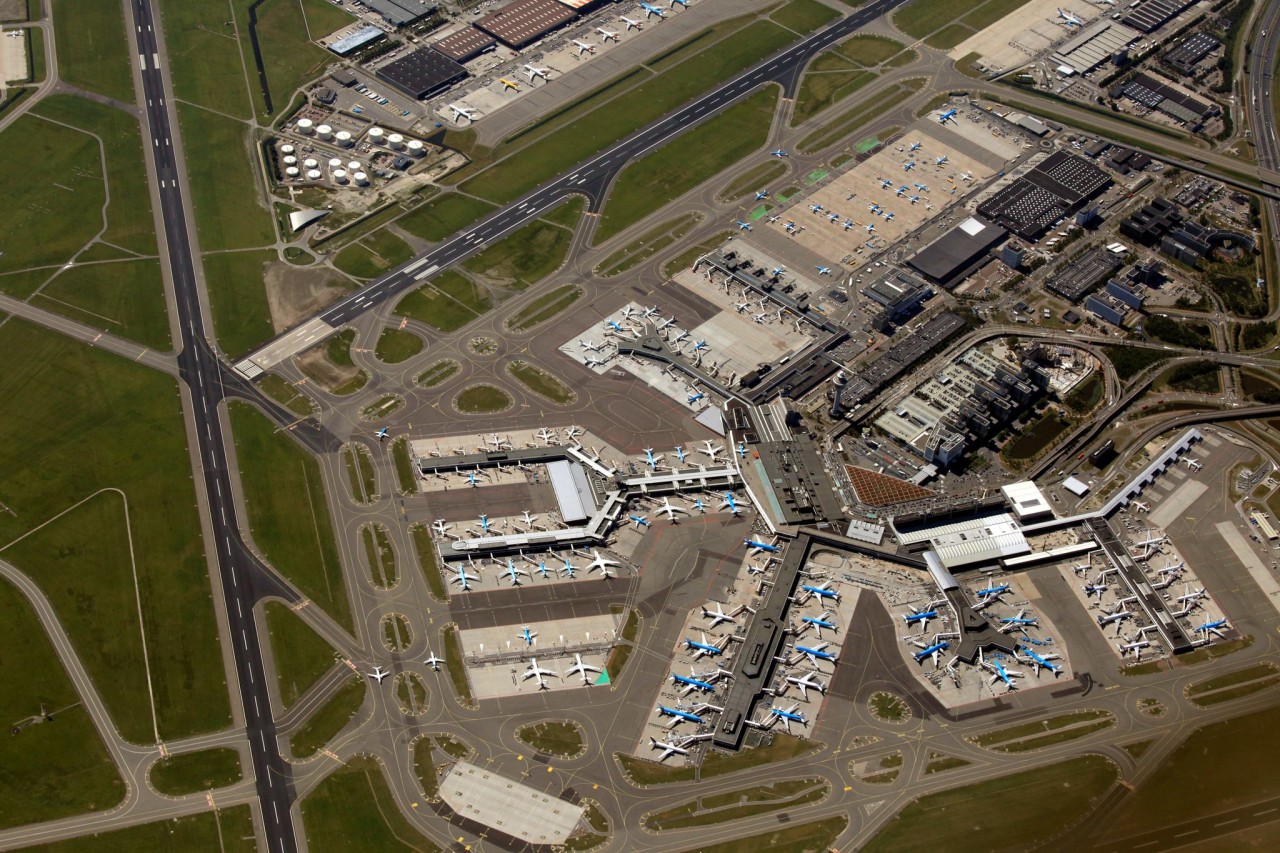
(1094, 45)
(518, 810)
(525, 21)
(401, 13)
(953, 255)
(1027, 501)
(977, 540)
(362, 37)
(1151, 15)
(466, 43)
(422, 73)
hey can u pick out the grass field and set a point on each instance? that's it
(524, 257)
(380, 556)
(686, 258)
(804, 16)
(288, 56)
(649, 244)
(228, 830)
(397, 345)
(424, 766)
(329, 719)
(457, 669)
(94, 51)
(129, 222)
(352, 811)
(681, 164)
(1036, 438)
(437, 374)
(119, 425)
(358, 260)
(406, 476)
(1024, 730)
(1188, 784)
(841, 71)
(361, 478)
(426, 550)
(941, 763)
(783, 748)
(754, 179)
(125, 299)
(919, 18)
(288, 516)
(1035, 805)
(552, 737)
(36, 54)
(481, 400)
(738, 805)
(1244, 681)
(863, 114)
(511, 178)
(541, 383)
(544, 307)
(301, 655)
(204, 56)
(795, 838)
(224, 188)
(57, 206)
(445, 303)
(443, 215)
(191, 772)
(286, 394)
(567, 214)
(889, 707)
(50, 770)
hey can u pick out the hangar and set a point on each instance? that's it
(955, 254)
(422, 73)
(525, 21)
(1054, 188)
(466, 43)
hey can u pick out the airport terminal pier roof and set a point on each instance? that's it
(518, 810)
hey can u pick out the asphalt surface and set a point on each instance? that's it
(593, 177)
(244, 579)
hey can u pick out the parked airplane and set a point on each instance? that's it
(509, 84)
(699, 505)
(902, 190)
(778, 153)
(823, 590)
(1214, 628)
(730, 503)
(949, 115)
(529, 519)
(651, 460)
(378, 674)
(701, 649)
(670, 509)
(581, 668)
(570, 432)
(546, 436)
(569, 569)
(718, 615)
(940, 160)
(1118, 615)
(535, 671)
(678, 716)
(699, 346)
(1018, 623)
(807, 682)
(513, 573)
(711, 449)
(816, 653)
(915, 146)
(909, 165)
(999, 672)
(922, 188)
(1040, 661)
(691, 682)
(934, 651)
(1193, 464)
(484, 523)
(583, 47)
(638, 520)
(743, 226)
(601, 563)
(439, 526)
(1094, 589)
(668, 748)
(741, 450)
(683, 3)
(462, 112)
(819, 622)
(652, 10)
(534, 72)
(528, 636)
(1140, 506)
(888, 217)
(464, 579)
(1069, 20)
(473, 479)
(434, 662)
(993, 592)
(631, 25)
(849, 223)
(1136, 646)
(542, 569)
(789, 716)
(921, 616)
(885, 183)
(824, 270)
(605, 35)
(756, 546)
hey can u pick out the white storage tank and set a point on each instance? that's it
(324, 131)
(415, 148)
(340, 175)
(291, 172)
(313, 174)
(361, 178)
(290, 160)
(335, 162)
(311, 162)
(354, 166)
(396, 141)
(306, 127)
(377, 135)
(344, 139)
(286, 149)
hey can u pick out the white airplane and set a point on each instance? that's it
(789, 716)
(1135, 645)
(807, 682)
(440, 526)
(915, 146)
(434, 662)
(601, 563)
(463, 112)
(383, 434)
(529, 637)
(591, 346)
(581, 668)
(499, 443)
(529, 519)
(712, 450)
(534, 71)
(378, 674)
(591, 361)
(670, 509)
(1193, 464)
(940, 160)
(668, 748)
(605, 35)
(999, 673)
(965, 176)
(631, 25)
(535, 671)
(824, 270)
(547, 437)
(1069, 20)
(718, 615)
(1117, 616)
(571, 431)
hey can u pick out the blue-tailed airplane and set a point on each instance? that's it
(922, 188)
(569, 569)
(990, 595)
(680, 452)
(816, 208)
(693, 398)
(940, 160)
(702, 648)
(789, 716)
(909, 165)
(484, 523)
(464, 579)
(614, 326)
(885, 183)
(902, 190)
(473, 479)
(921, 616)
(1018, 623)
(651, 460)
(915, 199)
(777, 271)
(1040, 661)
(849, 223)
(383, 434)
(1069, 20)
(1214, 628)
(822, 591)
(819, 622)
(528, 636)
(513, 573)
(833, 217)
(1094, 589)
(691, 682)
(816, 653)
(542, 569)
(678, 716)
(730, 503)
(699, 505)
(761, 195)
(638, 520)
(1000, 673)
(652, 10)
(683, 3)
(947, 116)
(743, 226)
(934, 651)
(699, 345)
(888, 216)
(915, 146)
(756, 546)
(824, 270)
(742, 450)
(778, 153)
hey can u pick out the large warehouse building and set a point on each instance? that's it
(525, 21)
(422, 73)
(1056, 187)
(947, 260)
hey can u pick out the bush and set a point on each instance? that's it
(1197, 376)
(1257, 335)
(1179, 333)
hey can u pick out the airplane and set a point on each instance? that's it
(922, 616)
(779, 153)
(1019, 622)
(703, 648)
(484, 523)
(940, 160)
(514, 573)
(789, 716)
(463, 112)
(949, 115)
(761, 195)
(542, 569)
(638, 520)
(756, 546)
(822, 591)
(509, 84)
(434, 662)
(590, 346)
(592, 361)
(819, 622)
(790, 226)
(966, 176)
(605, 35)
(678, 716)
(464, 579)
(915, 199)
(888, 217)
(1069, 20)
(668, 748)
(579, 667)
(569, 569)
(535, 671)
(546, 436)
(816, 653)
(534, 72)
(583, 47)
(614, 325)
(807, 682)
(849, 223)
(1191, 596)
(1212, 628)
(902, 190)
(699, 345)
(670, 509)
(1094, 589)
(652, 10)
(377, 674)
(382, 434)
(730, 503)
(683, 3)
(1141, 507)
(833, 217)
(571, 431)
(743, 226)
(1193, 464)
(718, 615)
(1040, 661)
(871, 227)
(1000, 673)
(1117, 616)
(922, 188)
(439, 526)
(1135, 645)
(699, 505)
(992, 591)
(710, 449)
(498, 443)
(915, 146)
(816, 208)
(631, 25)
(651, 311)
(680, 454)
(875, 208)
(529, 519)
(885, 183)
(651, 460)
(473, 479)
(909, 165)
(599, 562)
(933, 651)
(824, 270)
(691, 682)
(529, 637)
(742, 450)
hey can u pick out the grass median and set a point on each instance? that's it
(330, 719)
(227, 830)
(839, 72)
(94, 49)
(353, 811)
(426, 549)
(125, 299)
(221, 171)
(301, 655)
(192, 772)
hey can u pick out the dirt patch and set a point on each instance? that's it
(13, 10)
(296, 293)
(315, 363)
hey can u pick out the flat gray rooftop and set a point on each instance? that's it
(512, 807)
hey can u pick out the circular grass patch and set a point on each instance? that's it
(482, 400)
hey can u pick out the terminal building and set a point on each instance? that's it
(899, 293)
(953, 256)
(422, 73)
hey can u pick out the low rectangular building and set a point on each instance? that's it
(401, 13)
(899, 293)
(1108, 308)
(958, 252)
(361, 38)
(1130, 294)
(1150, 15)
(1083, 274)
(508, 806)
(422, 73)
(525, 21)
(467, 43)
(1190, 52)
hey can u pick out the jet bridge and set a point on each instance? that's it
(1172, 634)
